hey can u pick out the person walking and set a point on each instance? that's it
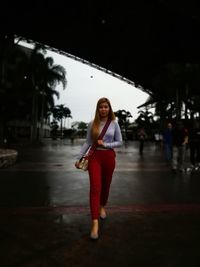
(179, 142)
(102, 161)
(142, 136)
(194, 144)
(167, 141)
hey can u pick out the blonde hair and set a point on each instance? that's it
(97, 119)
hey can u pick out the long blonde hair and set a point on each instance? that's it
(97, 119)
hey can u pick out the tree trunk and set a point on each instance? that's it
(178, 105)
(34, 118)
(41, 131)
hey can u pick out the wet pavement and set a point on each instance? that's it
(153, 214)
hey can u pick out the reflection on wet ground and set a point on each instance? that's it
(153, 214)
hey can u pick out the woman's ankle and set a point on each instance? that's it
(102, 209)
(94, 229)
(95, 223)
(95, 226)
(102, 212)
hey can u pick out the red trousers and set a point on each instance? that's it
(101, 167)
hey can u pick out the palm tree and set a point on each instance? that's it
(174, 88)
(123, 116)
(61, 112)
(82, 128)
(145, 119)
(13, 92)
(45, 77)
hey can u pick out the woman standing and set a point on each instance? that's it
(102, 162)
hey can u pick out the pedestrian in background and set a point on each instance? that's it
(179, 142)
(167, 142)
(142, 136)
(194, 145)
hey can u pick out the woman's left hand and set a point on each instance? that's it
(100, 142)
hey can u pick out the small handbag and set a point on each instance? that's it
(83, 162)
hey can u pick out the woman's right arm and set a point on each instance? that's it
(87, 143)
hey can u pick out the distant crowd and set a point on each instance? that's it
(176, 138)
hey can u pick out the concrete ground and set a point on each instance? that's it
(153, 214)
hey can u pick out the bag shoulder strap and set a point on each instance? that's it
(104, 129)
(93, 147)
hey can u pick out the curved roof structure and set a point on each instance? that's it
(130, 38)
(18, 39)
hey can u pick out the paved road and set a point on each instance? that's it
(153, 213)
(45, 176)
